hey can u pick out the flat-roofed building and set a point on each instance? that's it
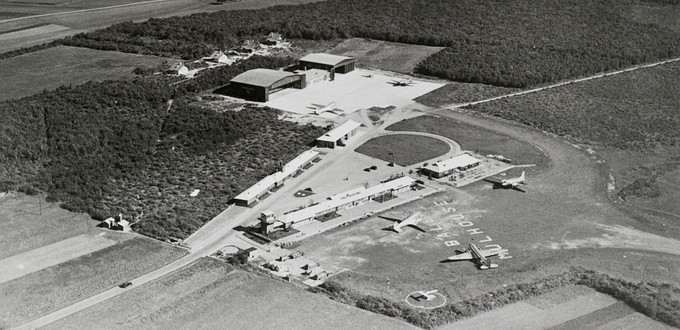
(346, 200)
(328, 62)
(446, 167)
(338, 135)
(258, 84)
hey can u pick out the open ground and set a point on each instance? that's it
(57, 66)
(210, 294)
(384, 55)
(50, 257)
(574, 307)
(553, 226)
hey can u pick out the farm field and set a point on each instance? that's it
(575, 307)
(630, 120)
(78, 22)
(29, 223)
(384, 55)
(53, 67)
(404, 149)
(52, 288)
(210, 294)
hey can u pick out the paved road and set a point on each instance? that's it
(216, 234)
(219, 232)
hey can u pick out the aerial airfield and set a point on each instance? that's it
(421, 216)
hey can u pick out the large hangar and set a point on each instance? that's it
(258, 84)
(328, 62)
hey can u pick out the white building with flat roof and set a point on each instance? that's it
(445, 167)
(338, 135)
(262, 187)
(348, 199)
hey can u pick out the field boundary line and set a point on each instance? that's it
(563, 83)
(81, 11)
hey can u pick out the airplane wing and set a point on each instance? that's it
(418, 228)
(518, 187)
(391, 219)
(493, 180)
(494, 252)
(462, 256)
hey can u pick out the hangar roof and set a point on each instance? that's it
(326, 59)
(261, 77)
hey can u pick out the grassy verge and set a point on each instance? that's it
(404, 149)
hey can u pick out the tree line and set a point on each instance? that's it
(514, 43)
(121, 147)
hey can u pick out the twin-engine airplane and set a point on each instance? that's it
(402, 82)
(512, 183)
(410, 221)
(478, 256)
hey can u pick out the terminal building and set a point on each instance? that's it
(258, 84)
(262, 187)
(446, 167)
(339, 135)
(348, 199)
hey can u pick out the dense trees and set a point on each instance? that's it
(513, 43)
(121, 147)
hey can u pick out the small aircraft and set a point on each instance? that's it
(424, 295)
(478, 256)
(368, 76)
(411, 221)
(513, 183)
(402, 82)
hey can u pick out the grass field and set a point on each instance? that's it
(383, 55)
(456, 93)
(403, 149)
(58, 286)
(475, 139)
(28, 223)
(53, 67)
(630, 119)
(575, 307)
(211, 295)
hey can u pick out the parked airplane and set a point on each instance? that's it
(513, 183)
(411, 221)
(426, 295)
(402, 82)
(478, 256)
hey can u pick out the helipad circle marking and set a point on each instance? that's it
(426, 307)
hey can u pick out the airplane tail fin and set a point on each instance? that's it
(522, 177)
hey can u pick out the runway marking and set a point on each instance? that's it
(465, 224)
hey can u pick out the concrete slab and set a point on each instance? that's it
(351, 92)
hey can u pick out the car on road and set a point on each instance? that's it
(125, 285)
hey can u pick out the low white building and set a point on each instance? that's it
(178, 69)
(262, 187)
(339, 135)
(346, 200)
(446, 167)
(218, 57)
